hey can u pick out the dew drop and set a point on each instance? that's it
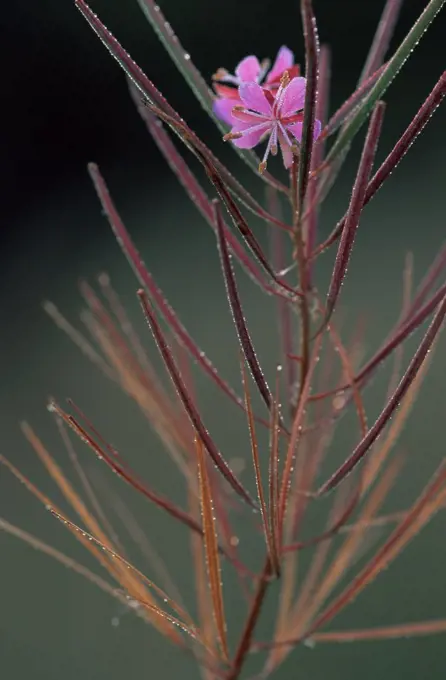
(168, 28)
(310, 643)
(339, 401)
(237, 465)
(186, 56)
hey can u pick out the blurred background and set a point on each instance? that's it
(65, 103)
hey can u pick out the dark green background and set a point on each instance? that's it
(65, 104)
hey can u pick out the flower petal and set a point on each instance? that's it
(251, 139)
(248, 70)
(248, 141)
(254, 98)
(223, 109)
(296, 129)
(293, 97)
(283, 62)
(227, 91)
(248, 117)
(285, 148)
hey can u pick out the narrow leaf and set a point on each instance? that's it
(272, 552)
(418, 516)
(406, 140)
(195, 80)
(273, 478)
(382, 38)
(296, 433)
(437, 267)
(125, 577)
(88, 488)
(395, 156)
(310, 218)
(211, 548)
(188, 403)
(279, 246)
(178, 54)
(382, 451)
(79, 340)
(332, 529)
(374, 61)
(185, 625)
(401, 630)
(68, 562)
(201, 151)
(309, 114)
(237, 311)
(349, 373)
(248, 236)
(188, 180)
(158, 103)
(124, 471)
(141, 540)
(393, 67)
(400, 335)
(146, 280)
(366, 442)
(354, 210)
(341, 115)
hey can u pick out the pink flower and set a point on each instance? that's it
(250, 70)
(279, 118)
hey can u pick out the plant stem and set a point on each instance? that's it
(299, 255)
(251, 621)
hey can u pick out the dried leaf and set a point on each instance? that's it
(211, 549)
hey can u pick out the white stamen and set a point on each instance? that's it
(285, 134)
(254, 128)
(267, 150)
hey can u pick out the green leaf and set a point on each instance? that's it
(394, 66)
(182, 60)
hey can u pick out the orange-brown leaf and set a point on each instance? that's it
(211, 549)
(269, 531)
